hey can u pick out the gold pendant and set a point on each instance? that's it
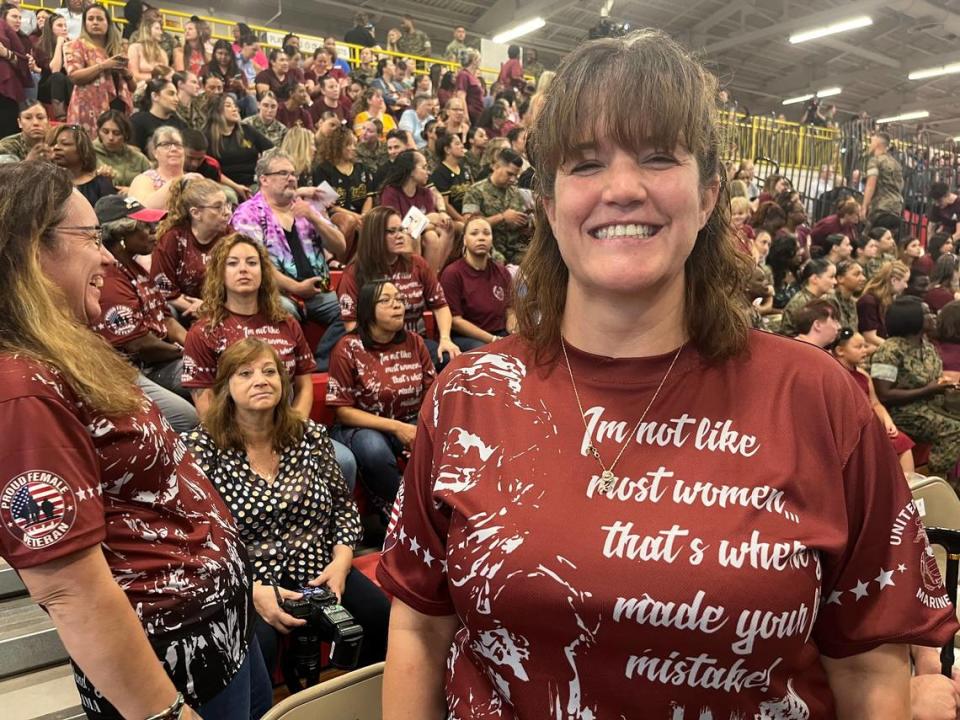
(607, 481)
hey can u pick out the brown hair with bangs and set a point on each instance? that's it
(640, 90)
(215, 288)
(221, 419)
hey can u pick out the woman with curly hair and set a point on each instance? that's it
(240, 299)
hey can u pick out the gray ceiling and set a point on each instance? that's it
(745, 41)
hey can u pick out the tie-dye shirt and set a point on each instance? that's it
(256, 219)
(737, 546)
(73, 478)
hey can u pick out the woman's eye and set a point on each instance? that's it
(244, 373)
(585, 166)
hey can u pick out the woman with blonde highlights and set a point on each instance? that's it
(878, 295)
(587, 525)
(300, 524)
(92, 519)
(198, 215)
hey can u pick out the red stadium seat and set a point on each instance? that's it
(431, 322)
(367, 564)
(319, 412)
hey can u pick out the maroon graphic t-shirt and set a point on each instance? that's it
(205, 345)
(179, 263)
(131, 306)
(737, 547)
(71, 478)
(387, 380)
(414, 279)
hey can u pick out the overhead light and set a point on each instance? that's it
(916, 115)
(957, 139)
(934, 72)
(517, 31)
(826, 92)
(842, 26)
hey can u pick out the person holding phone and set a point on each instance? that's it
(98, 70)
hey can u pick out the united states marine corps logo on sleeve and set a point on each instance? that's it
(38, 508)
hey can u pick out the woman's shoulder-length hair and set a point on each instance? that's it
(221, 418)
(640, 90)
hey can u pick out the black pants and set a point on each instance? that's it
(369, 607)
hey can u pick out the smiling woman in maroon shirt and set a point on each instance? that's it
(605, 515)
(104, 514)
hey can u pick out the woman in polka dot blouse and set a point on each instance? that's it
(278, 474)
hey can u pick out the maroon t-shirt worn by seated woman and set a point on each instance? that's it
(744, 539)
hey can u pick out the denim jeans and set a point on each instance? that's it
(376, 455)
(347, 463)
(168, 375)
(249, 694)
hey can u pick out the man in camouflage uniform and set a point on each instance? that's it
(499, 201)
(188, 103)
(911, 364)
(371, 153)
(412, 41)
(883, 195)
(457, 45)
(530, 64)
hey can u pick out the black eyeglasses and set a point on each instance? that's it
(281, 173)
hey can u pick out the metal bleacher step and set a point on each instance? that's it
(10, 585)
(47, 694)
(28, 640)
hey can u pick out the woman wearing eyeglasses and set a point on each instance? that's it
(198, 215)
(384, 250)
(379, 375)
(107, 518)
(73, 151)
(152, 187)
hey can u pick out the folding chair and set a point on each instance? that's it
(354, 696)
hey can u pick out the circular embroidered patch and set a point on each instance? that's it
(38, 508)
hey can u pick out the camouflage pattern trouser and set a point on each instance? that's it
(924, 423)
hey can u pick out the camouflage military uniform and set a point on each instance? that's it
(487, 199)
(847, 306)
(274, 132)
(192, 114)
(534, 68)
(14, 147)
(454, 48)
(431, 157)
(909, 366)
(796, 304)
(414, 43)
(372, 159)
(472, 163)
(872, 265)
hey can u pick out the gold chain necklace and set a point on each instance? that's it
(608, 480)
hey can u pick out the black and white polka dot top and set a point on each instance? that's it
(290, 526)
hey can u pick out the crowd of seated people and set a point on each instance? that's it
(254, 199)
(878, 297)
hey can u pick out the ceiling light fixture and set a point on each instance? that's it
(829, 92)
(843, 26)
(826, 92)
(523, 28)
(915, 115)
(934, 72)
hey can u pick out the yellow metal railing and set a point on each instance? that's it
(790, 144)
(174, 20)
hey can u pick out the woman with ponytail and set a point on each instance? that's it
(198, 215)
